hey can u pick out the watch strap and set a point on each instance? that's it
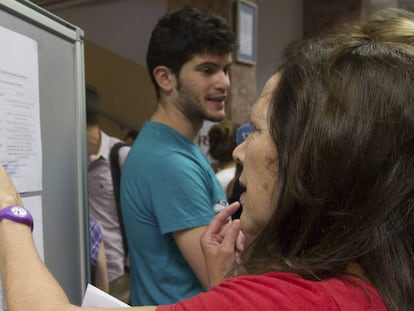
(17, 214)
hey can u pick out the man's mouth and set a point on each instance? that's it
(218, 99)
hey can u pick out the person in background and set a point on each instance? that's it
(329, 195)
(235, 189)
(102, 205)
(222, 141)
(130, 137)
(97, 255)
(168, 188)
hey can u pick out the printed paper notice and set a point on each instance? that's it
(20, 142)
(96, 298)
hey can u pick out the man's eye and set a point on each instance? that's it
(207, 71)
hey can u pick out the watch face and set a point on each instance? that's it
(18, 211)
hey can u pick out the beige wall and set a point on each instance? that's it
(125, 90)
(124, 27)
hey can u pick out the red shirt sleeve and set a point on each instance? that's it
(282, 291)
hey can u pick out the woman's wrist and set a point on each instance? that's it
(215, 278)
(17, 214)
(8, 201)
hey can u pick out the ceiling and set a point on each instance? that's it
(59, 4)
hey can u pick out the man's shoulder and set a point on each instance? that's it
(106, 144)
(113, 141)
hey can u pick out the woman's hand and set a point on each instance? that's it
(8, 193)
(222, 244)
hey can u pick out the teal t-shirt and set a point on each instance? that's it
(167, 185)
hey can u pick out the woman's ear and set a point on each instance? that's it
(165, 79)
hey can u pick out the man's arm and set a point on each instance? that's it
(188, 241)
(101, 272)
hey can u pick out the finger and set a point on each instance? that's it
(221, 218)
(229, 241)
(240, 242)
(239, 247)
(228, 211)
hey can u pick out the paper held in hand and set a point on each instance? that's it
(94, 297)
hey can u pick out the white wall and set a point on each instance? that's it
(124, 27)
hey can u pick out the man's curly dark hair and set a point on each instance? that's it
(181, 34)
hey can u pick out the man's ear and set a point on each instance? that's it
(165, 79)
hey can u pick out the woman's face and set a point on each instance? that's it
(258, 156)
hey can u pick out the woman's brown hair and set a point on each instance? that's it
(342, 118)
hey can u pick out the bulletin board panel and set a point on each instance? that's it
(63, 141)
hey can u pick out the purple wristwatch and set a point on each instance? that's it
(17, 214)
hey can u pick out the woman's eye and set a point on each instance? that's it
(253, 128)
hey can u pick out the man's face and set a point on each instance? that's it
(202, 87)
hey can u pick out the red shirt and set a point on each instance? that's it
(283, 291)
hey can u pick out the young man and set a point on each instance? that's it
(102, 204)
(168, 187)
